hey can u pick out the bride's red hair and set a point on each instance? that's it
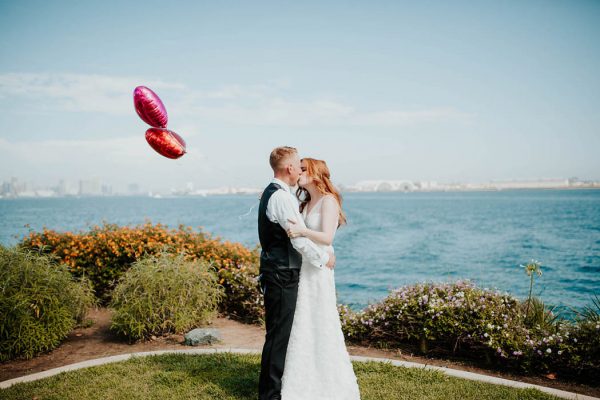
(319, 172)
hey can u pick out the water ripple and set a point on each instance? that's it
(392, 239)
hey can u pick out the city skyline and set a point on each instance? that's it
(436, 92)
(15, 188)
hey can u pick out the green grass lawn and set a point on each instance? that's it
(234, 376)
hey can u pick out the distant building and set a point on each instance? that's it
(61, 189)
(426, 185)
(90, 187)
(541, 184)
(133, 189)
(7, 189)
(384, 186)
(106, 190)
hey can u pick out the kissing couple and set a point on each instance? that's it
(304, 356)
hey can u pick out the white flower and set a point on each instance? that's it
(548, 350)
(559, 352)
(485, 334)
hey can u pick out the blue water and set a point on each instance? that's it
(392, 239)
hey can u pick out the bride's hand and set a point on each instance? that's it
(294, 230)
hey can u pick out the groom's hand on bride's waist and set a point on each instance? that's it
(331, 263)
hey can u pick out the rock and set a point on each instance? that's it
(200, 336)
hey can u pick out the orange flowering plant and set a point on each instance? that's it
(105, 252)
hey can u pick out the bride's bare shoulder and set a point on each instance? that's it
(329, 200)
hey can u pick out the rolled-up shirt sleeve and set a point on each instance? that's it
(282, 207)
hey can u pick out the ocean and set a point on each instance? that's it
(391, 239)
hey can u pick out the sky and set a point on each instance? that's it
(432, 90)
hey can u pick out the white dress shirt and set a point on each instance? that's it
(282, 206)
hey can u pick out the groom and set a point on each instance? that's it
(280, 261)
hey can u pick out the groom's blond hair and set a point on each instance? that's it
(279, 155)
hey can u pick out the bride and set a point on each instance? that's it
(317, 364)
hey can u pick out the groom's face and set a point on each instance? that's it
(296, 169)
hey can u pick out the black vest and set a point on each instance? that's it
(277, 250)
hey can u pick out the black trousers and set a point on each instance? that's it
(280, 290)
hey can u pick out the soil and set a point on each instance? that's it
(97, 341)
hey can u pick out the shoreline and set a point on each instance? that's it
(254, 194)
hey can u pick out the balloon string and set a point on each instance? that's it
(249, 211)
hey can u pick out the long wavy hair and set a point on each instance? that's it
(319, 172)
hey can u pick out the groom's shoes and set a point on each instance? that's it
(276, 397)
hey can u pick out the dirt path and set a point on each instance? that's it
(97, 341)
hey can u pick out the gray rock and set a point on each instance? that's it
(200, 336)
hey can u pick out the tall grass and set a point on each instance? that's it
(590, 313)
(40, 303)
(164, 294)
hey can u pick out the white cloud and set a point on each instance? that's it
(226, 122)
(396, 118)
(121, 161)
(78, 92)
(270, 104)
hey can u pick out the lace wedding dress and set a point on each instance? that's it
(317, 364)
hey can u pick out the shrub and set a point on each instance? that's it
(40, 303)
(538, 316)
(243, 301)
(106, 252)
(164, 294)
(585, 341)
(461, 318)
(452, 315)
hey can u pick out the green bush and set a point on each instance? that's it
(538, 316)
(243, 301)
(453, 315)
(459, 318)
(40, 303)
(164, 294)
(584, 342)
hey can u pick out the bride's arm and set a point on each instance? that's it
(329, 215)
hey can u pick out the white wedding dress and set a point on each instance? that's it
(317, 364)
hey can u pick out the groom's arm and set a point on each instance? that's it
(282, 208)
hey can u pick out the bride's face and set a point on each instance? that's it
(304, 178)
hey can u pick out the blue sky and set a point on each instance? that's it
(444, 91)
